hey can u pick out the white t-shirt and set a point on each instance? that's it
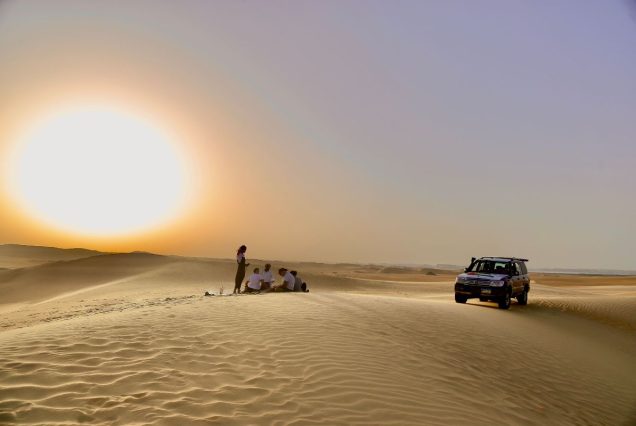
(290, 280)
(254, 281)
(239, 257)
(267, 276)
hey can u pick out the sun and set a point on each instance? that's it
(98, 170)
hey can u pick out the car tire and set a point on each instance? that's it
(504, 302)
(460, 299)
(522, 299)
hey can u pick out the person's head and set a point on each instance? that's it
(294, 273)
(242, 249)
(282, 271)
(256, 270)
(267, 267)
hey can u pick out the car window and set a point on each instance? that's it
(490, 267)
(524, 270)
(514, 268)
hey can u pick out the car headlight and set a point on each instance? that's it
(460, 281)
(497, 283)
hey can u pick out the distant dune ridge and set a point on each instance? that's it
(17, 255)
(117, 339)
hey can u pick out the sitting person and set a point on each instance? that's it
(298, 283)
(268, 278)
(288, 281)
(253, 283)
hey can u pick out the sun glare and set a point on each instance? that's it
(98, 171)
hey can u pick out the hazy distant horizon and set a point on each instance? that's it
(442, 266)
(375, 131)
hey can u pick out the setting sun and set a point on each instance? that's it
(97, 170)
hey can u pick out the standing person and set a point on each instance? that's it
(240, 271)
(288, 281)
(267, 276)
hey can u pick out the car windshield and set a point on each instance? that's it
(489, 267)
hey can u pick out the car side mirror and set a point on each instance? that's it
(465, 269)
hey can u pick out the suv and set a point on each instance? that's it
(496, 279)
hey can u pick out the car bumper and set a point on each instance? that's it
(480, 291)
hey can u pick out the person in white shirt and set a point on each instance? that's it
(288, 281)
(268, 277)
(254, 282)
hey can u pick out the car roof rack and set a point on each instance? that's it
(505, 258)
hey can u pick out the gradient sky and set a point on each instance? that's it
(365, 131)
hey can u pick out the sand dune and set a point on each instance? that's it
(20, 256)
(48, 280)
(131, 341)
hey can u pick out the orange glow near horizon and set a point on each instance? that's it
(320, 131)
(98, 170)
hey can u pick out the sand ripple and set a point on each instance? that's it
(313, 359)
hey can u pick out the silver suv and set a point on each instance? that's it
(496, 279)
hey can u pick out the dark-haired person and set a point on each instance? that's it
(267, 276)
(240, 271)
(254, 282)
(288, 281)
(298, 283)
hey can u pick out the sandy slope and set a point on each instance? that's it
(132, 341)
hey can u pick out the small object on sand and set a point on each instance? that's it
(207, 293)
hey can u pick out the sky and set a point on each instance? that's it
(415, 132)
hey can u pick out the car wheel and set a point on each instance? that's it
(460, 299)
(504, 302)
(523, 297)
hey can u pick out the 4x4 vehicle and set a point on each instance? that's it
(497, 279)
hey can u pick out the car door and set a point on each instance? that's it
(517, 279)
(525, 278)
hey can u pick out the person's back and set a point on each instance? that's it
(254, 282)
(290, 281)
(299, 285)
(298, 282)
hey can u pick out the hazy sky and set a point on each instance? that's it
(394, 131)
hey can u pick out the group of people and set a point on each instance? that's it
(264, 281)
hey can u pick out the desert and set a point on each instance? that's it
(129, 338)
(360, 212)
